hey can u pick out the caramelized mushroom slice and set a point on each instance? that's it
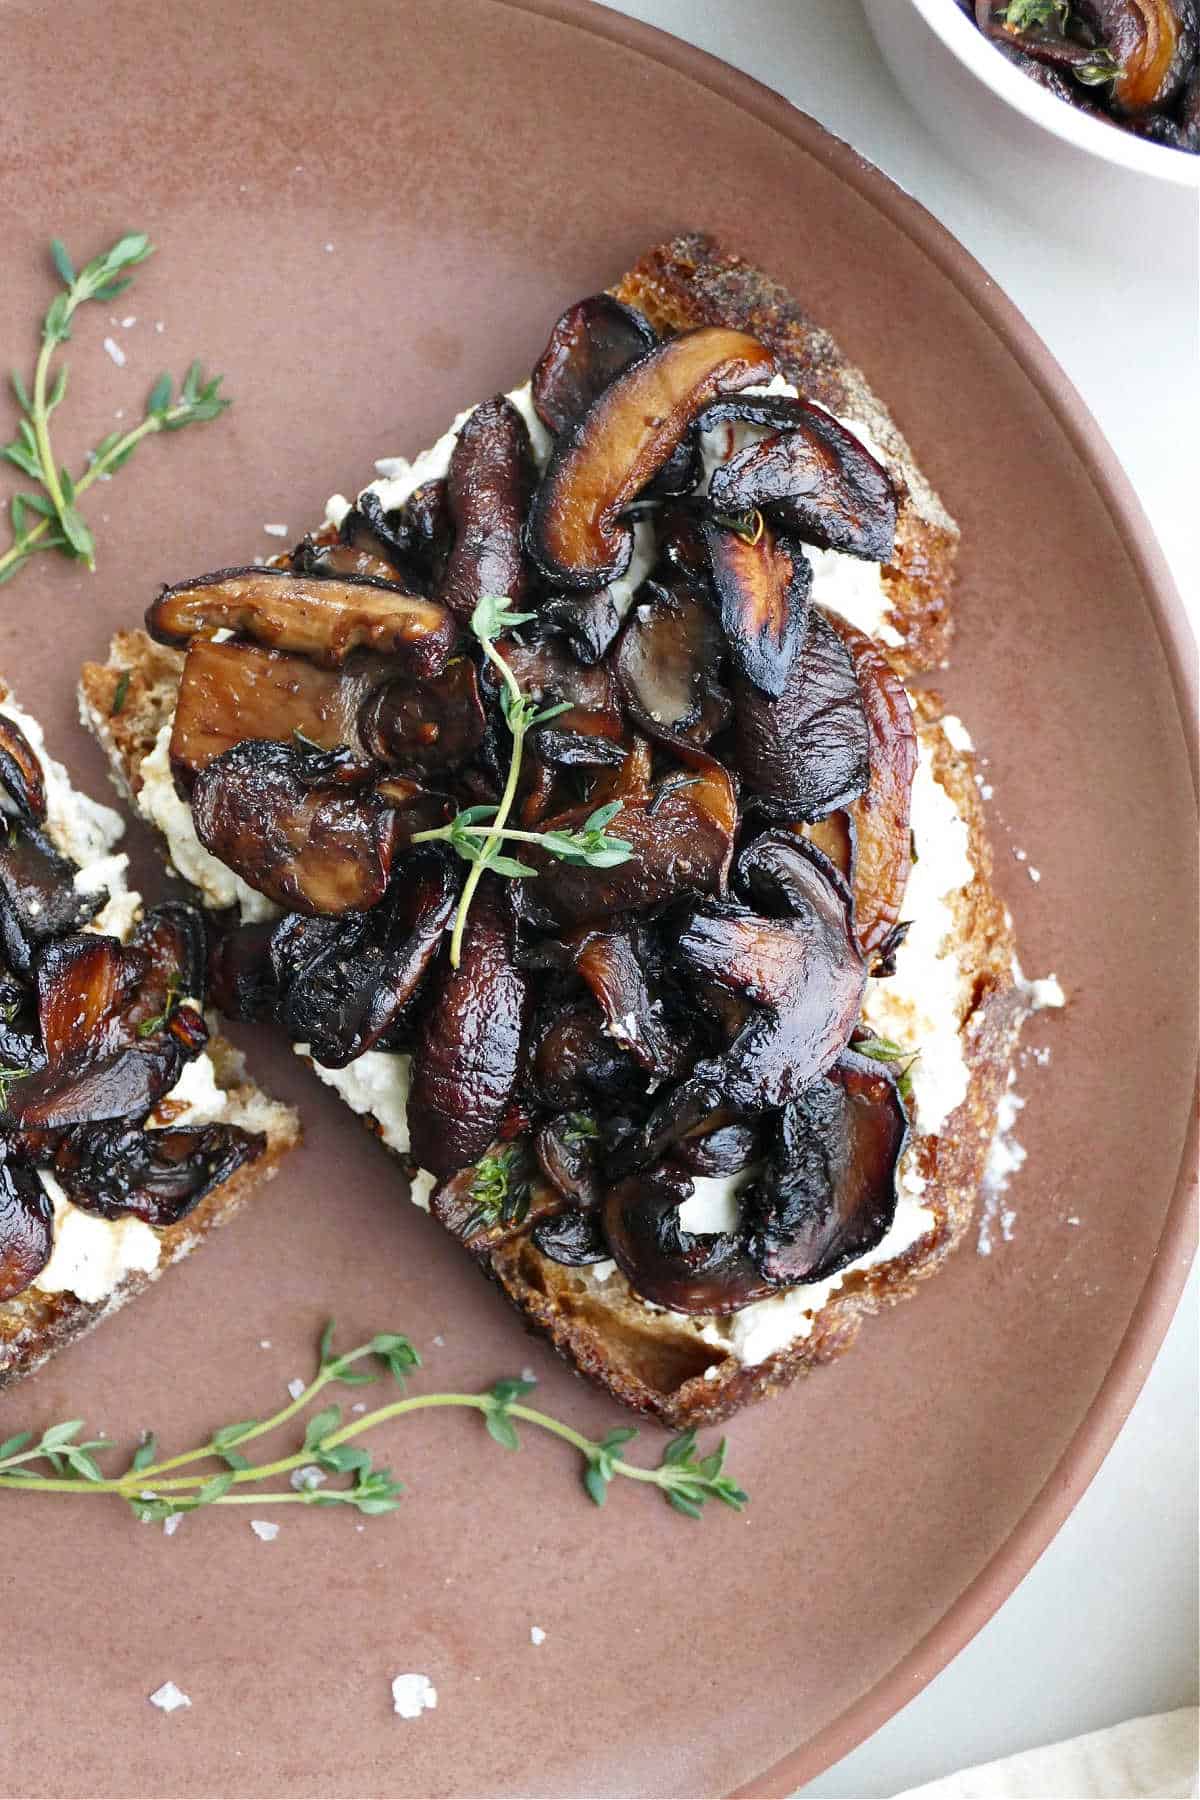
(566, 1152)
(573, 1060)
(85, 983)
(575, 534)
(232, 692)
(691, 1272)
(239, 971)
(428, 726)
(720, 1145)
(879, 818)
(836, 837)
(808, 751)
(310, 844)
(350, 990)
(575, 1238)
(590, 345)
(609, 963)
(121, 1171)
(21, 772)
(468, 1054)
(488, 487)
(681, 840)
(802, 974)
(26, 1229)
(588, 622)
(763, 586)
(828, 1193)
(548, 674)
(1153, 41)
(321, 618)
(124, 1083)
(813, 478)
(173, 938)
(38, 899)
(669, 651)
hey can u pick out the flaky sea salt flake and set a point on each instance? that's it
(169, 1698)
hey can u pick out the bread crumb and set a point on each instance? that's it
(168, 1697)
(115, 351)
(266, 1529)
(412, 1695)
(536, 1635)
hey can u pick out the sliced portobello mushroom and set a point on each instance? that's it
(686, 1271)
(566, 1148)
(38, 899)
(667, 662)
(810, 475)
(806, 752)
(575, 1237)
(324, 618)
(488, 488)
(681, 839)
(427, 726)
(346, 989)
(21, 773)
(827, 1194)
(575, 533)
(879, 817)
(589, 346)
(279, 816)
(798, 965)
(231, 692)
(468, 1054)
(123, 1171)
(763, 586)
(617, 977)
(26, 1228)
(1152, 42)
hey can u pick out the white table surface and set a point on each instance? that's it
(1105, 1625)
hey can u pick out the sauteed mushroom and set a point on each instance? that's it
(21, 772)
(488, 486)
(122, 1171)
(763, 586)
(575, 533)
(26, 1229)
(808, 751)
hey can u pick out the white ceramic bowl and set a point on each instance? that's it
(1074, 175)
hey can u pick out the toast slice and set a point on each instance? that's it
(99, 1264)
(688, 1369)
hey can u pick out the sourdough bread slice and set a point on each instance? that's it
(689, 1370)
(110, 1261)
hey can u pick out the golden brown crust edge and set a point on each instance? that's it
(692, 281)
(34, 1326)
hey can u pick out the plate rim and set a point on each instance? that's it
(1156, 1303)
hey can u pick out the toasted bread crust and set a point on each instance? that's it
(35, 1324)
(646, 1359)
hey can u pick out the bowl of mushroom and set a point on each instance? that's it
(1084, 114)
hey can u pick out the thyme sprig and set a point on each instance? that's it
(155, 1488)
(51, 519)
(478, 832)
(881, 1049)
(499, 1190)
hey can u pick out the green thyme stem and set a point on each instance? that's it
(518, 723)
(41, 427)
(28, 542)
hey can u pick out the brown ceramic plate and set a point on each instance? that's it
(368, 218)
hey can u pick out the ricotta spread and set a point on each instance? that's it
(92, 1255)
(158, 802)
(375, 1083)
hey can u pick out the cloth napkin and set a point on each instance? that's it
(1154, 1758)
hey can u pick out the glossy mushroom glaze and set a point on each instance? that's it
(94, 1035)
(655, 975)
(1133, 63)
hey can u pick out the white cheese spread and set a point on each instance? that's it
(92, 1255)
(377, 1084)
(158, 802)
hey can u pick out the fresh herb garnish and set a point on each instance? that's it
(499, 1190)
(7, 1077)
(478, 831)
(881, 1049)
(748, 526)
(579, 1128)
(148, 1027)
(1032, 15)
(1100, 67)
(56, 522)
(120, 694)
(155, 1489)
